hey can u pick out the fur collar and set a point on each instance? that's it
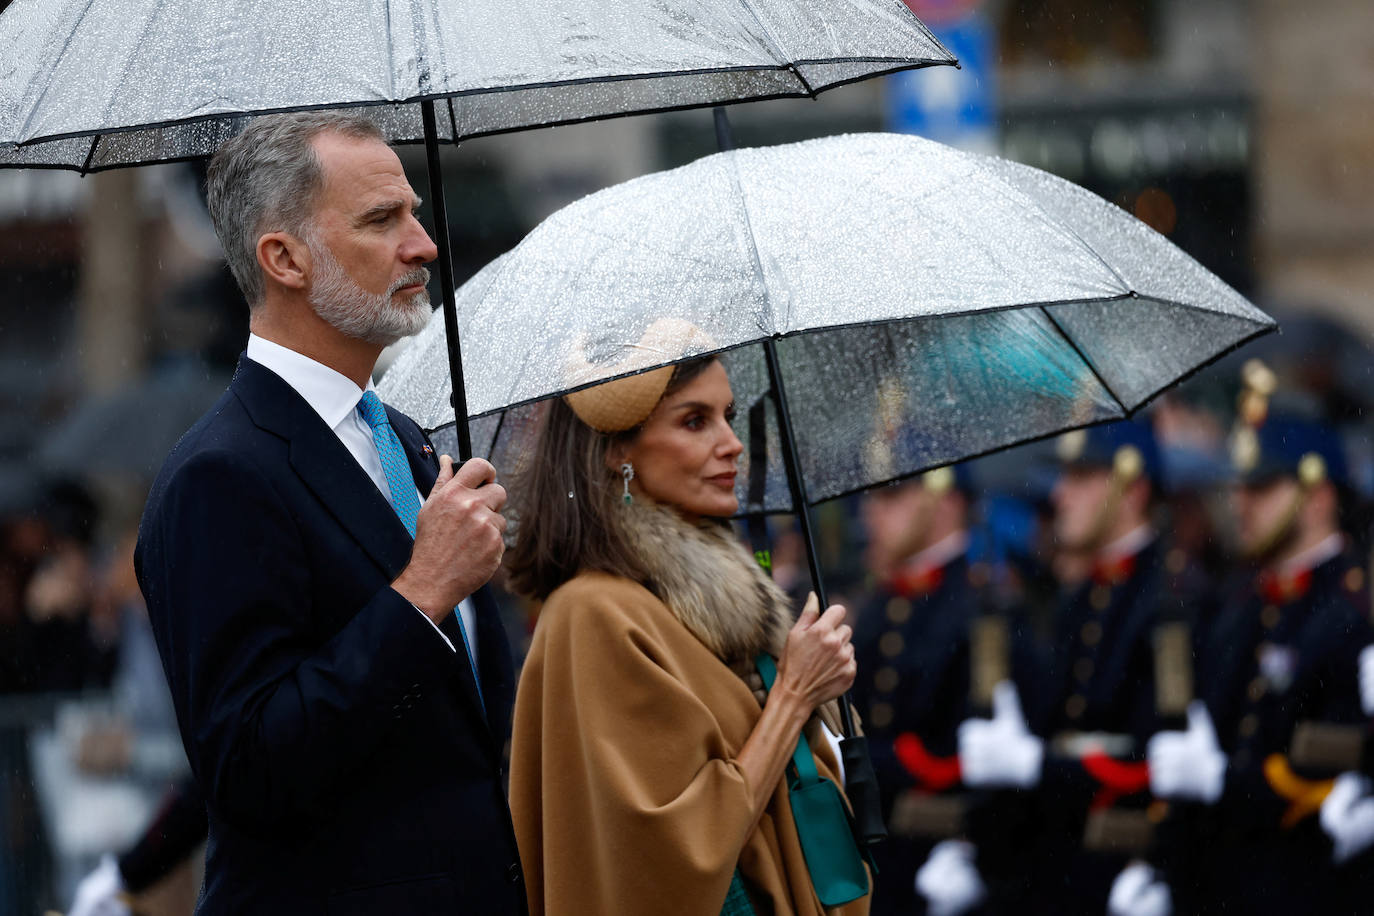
(710, 582)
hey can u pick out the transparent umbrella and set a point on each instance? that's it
(887, 305)
(926, 305)
(98, 85)
(94, 85)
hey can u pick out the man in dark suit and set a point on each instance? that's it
(302, 554)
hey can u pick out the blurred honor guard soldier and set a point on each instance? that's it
(302, 553)
(1119, 669)
(1102, 675)
(1279, 670)
(924, 644)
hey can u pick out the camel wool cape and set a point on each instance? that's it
(624, 787)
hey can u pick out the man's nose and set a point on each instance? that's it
(419, 247)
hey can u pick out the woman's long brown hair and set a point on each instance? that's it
(565, 499)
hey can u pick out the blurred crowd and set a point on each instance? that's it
(1120, 671)
(1116, 671)
(59, 599)
(87, 730)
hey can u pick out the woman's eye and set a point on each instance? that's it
(694, 421)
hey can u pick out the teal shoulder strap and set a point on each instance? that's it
(801, 757)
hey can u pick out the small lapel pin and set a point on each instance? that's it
(429, 450)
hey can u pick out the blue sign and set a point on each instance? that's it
(954, 106)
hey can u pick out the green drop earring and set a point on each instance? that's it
(627, 471)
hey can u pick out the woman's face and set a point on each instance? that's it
(685, 454)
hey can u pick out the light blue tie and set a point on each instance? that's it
(401, 482)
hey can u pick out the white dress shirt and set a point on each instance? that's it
(335, 398)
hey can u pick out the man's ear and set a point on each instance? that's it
(285, 259)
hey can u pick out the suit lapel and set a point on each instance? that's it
(339, 482)
(325, 465)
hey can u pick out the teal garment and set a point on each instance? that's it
(737, 901)
(823, 825)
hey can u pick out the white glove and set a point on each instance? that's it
(1000, 751)
(1367, 680)
(1139, 891)
(101, 892)
(1189, 764)
(1347, 816)
(949, 880)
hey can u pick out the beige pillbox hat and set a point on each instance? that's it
(624, 403)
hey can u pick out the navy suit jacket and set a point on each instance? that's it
(347, 762)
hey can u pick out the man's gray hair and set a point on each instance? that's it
(266, 179)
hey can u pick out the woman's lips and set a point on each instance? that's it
(724, 480)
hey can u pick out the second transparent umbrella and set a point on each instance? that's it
(924, 305)
(887, 305)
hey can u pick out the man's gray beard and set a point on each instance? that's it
(352, 310)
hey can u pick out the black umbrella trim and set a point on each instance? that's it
(805, 92)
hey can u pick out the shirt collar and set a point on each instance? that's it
(941, 553)
(1129, 544)
(1314, 556)
(330, 394)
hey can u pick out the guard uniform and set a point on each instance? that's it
(1282, 657)
(912, 649)
(1283, 653)
(1120, 669)
(1122, 672)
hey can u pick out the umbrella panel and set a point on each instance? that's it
(142, 69)
(927, 305)
(1168, 342)
(876, 403)
(818, 236)
(131, 431)
(870, 404)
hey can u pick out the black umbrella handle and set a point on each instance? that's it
(801, 504)
(446, 284)
(861, 785)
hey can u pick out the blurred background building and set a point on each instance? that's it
(1241, 129)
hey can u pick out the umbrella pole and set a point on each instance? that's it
(441, 240)
(860, 783)
(800, 501)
